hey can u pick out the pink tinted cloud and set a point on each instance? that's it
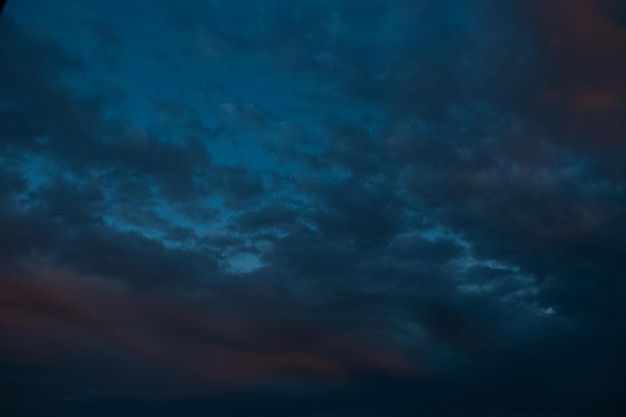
(586, 50)
(54, 318)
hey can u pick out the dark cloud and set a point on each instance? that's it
(204, 338)
(267, 217)
(315, 208)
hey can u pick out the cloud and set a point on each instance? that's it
(584, 43)
(444, 225)
(186, 337)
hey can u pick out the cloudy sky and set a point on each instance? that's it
(321, 208)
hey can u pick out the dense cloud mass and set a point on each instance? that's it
(313, 208)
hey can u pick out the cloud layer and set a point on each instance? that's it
(313, 208)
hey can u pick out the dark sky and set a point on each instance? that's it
(322, 208)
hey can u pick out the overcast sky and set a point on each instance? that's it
(322, 208)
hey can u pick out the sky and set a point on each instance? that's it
(321, 208)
